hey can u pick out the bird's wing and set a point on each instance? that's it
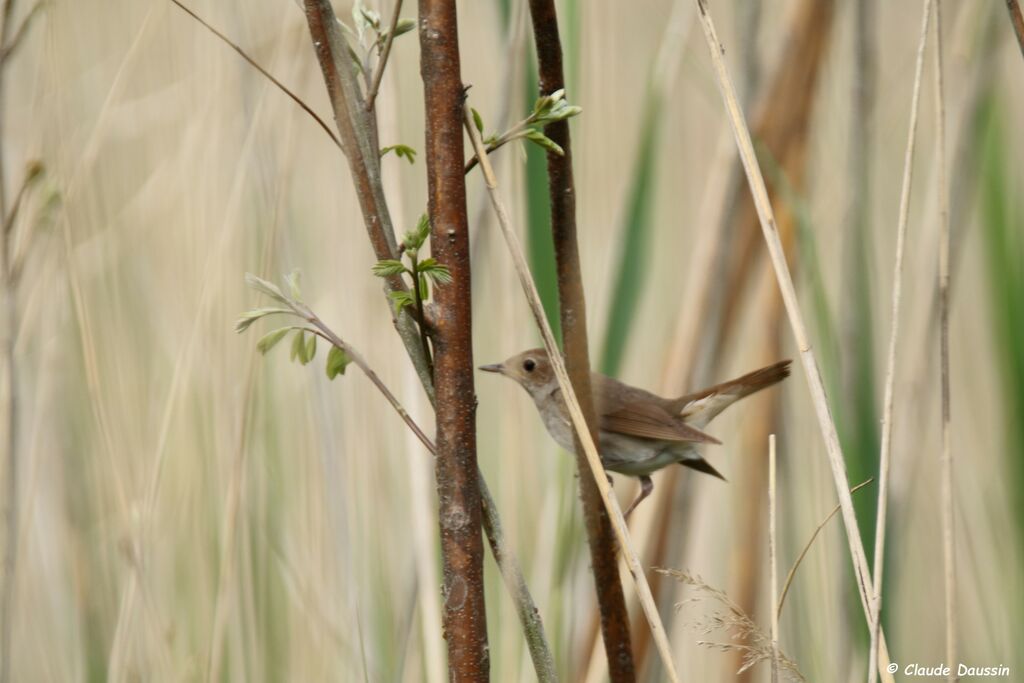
(651, 421)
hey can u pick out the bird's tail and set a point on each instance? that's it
(701, 407)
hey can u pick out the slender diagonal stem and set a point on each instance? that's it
(810, 364)
(573, 318)
(266, 74)
(787, 584)
(579, 423)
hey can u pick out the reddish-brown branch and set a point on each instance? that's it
(465, 621)
(614, 618)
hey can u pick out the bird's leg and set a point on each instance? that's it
(646, 486)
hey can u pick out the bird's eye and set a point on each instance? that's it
(529, 364)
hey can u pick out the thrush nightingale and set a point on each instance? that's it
(639, 432)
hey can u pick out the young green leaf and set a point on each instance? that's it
(310, 349)
(364, 19)
(478, 120)
(401, 298)
(268, 288)
(337, 362)
(538, 138)
(249, 317)
(401, 151)
(437, 272)
(269, 340)
(298, 347)
(403, 27)
(388, 267)
(424, 287)
(415, 238)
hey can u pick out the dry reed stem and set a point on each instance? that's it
(885, 456)
(576, 414)
(948, 519)
(772, 552)
(807, 357)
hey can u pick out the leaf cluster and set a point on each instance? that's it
(547, 109)
(304, 336)
(422, 273)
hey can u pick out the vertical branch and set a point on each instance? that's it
(579, 422)
(357, 128)
(885, 454)
(948, 519)
(465, 619)
(572, 303)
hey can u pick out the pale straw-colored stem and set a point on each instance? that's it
(772, 556)
(885, 456)
(948, 520)
(807, 358)
(575, 412)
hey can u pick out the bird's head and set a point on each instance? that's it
(531, 369)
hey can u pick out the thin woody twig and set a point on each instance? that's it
(807, 357)
(254, 64)
(885, 457)
(572, 403)
(371, 94)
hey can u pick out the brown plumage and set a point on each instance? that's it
(639, 432)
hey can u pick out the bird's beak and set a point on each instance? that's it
(496, 367)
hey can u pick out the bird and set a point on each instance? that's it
(639, 432)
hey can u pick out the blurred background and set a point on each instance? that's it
(189, 509)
